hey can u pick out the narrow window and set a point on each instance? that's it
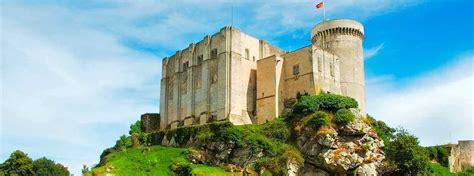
(185, 66)
(199, 59)
(296, 69)
(214, 54)
(254, 58)
(247, 54)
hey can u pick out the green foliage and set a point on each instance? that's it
(47, 167)
(156, 161)
(276, 130)
(123, 142)
(18, 164)
(308, 104)
(467, 172)
(439, 153)
(407, 154)
(136, 128)
(317, 119)
(385, 132)
(344, 117)
(437, 169)
(333, 102)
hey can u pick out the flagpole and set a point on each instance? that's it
(324, 10)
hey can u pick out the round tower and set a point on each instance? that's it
(343, 37)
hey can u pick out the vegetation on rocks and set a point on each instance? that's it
(344, 117)
(321, 134)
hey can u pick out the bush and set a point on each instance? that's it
(44, 166)
(306, 105)
(344, 117)
(318, 119)
(136, 128)
(409, 157)
(333, 102)
(258, 142)
(385, 132)
(123, 142)
(439, 153)
(276, 130)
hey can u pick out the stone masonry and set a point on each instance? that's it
(236, 77)
(462, 156)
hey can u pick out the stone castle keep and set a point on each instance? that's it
(233, 76)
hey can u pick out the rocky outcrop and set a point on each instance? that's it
(331, 149)
(342, 149)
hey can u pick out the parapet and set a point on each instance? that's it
(338, 25)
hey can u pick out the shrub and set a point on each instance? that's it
(258, 142)
(344, 117)
(136, 128)
(309, 104)
(276, 130)
(306, 105)
(383, 130)
(409, 157)
(333, 102)
(439, 153)
(44, 166)
(318, 119)
(123, 142)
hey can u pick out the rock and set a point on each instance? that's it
(367, 169)
(327, 140)
(309, 170)
(356, 128)
(354, 146)
(292, 168)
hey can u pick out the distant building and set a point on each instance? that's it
(236, 77)
(462, 156)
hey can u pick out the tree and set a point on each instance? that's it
(47, 167)
(136, 128)
(18, 164)
(407, 154)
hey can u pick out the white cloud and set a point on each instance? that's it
(371, 52)
(436, 107)
(70, 87)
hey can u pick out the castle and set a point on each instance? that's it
(236, 77)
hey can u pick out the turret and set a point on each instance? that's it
(343, 37)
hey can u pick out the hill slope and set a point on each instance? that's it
(154, 160)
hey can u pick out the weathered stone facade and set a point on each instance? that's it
(462, 156)
(236, 77)
(150, 122)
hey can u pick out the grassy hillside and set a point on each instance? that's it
(154, 160)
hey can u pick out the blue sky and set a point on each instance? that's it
(75, 75)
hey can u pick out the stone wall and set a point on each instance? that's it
(213, 79)
(462, 156)
(217, 77)
(150, 122)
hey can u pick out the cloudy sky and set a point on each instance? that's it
(76, 74)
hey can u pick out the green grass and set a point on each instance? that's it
(437, 169)
(155, 161)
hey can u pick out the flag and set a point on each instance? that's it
(319, 5)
